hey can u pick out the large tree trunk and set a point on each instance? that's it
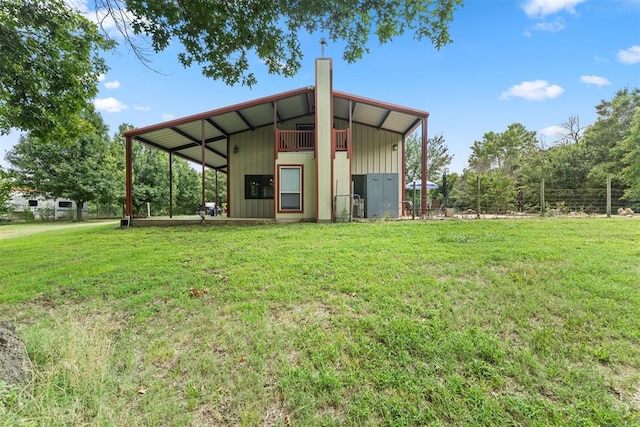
(79, 204)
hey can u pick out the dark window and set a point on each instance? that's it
(33, 203)
(64, 204)
(258, 186)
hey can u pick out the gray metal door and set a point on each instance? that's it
(382, 195)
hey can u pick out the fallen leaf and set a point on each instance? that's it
(141, 390)
(287, 420)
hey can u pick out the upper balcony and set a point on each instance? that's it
(305, 140)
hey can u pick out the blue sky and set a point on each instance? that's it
(536, 62)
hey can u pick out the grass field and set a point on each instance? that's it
(487, 322)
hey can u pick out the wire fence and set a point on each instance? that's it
(543, 200)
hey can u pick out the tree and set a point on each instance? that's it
(631, 172)
(151, 178)
(49, 68)
(499, 159)
(504, 151)
(188, 187)
(5, 189)
(570, 131)
(150, 173)
(438, 158)
(211, 177)
(220, 35)
(73, 169)
(604, 138)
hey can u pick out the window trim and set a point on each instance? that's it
(300, 168)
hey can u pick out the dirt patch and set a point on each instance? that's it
(21, 230)
(15, 365)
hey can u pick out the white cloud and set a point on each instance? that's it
(101, 77)
(112, 85)
(167, 116)
(110, 105)
(539, 8)
(630, 56)
(552, 131)
(550, 27)
(595, 80)
(141, 108)
(535, 90)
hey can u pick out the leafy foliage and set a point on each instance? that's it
(150, 173)
(220, 35)
(631, 160)
(49, 67)
(72, 169)
(503, 151)
(216, 192)
(498, 160)
(5, 189)
(438, 157)
(604, 139)
(188, 185)
(151, 178)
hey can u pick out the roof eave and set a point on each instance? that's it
(223, 110)
(380, 104)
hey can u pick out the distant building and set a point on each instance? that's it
(29, 200)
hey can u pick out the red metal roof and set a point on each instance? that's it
(183, 136)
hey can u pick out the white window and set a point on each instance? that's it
(290, 183)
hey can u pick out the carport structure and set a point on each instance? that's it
(261, 127)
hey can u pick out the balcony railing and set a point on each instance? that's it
(341, 138)
(305, 140)
(295, 140)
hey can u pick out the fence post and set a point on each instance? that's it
(478, 198)
(542, 209)
(609, 196)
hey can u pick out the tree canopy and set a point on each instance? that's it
(49, 67)
(74, 170)
(502, 151)
(511, 165)
(631, 160)
(151, 178)
(5, 189)
(220, 35)
(50, 52)
(438, 157)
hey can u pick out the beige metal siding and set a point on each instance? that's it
(372, 151)
(254, 157)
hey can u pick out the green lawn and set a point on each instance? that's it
(485, 322)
